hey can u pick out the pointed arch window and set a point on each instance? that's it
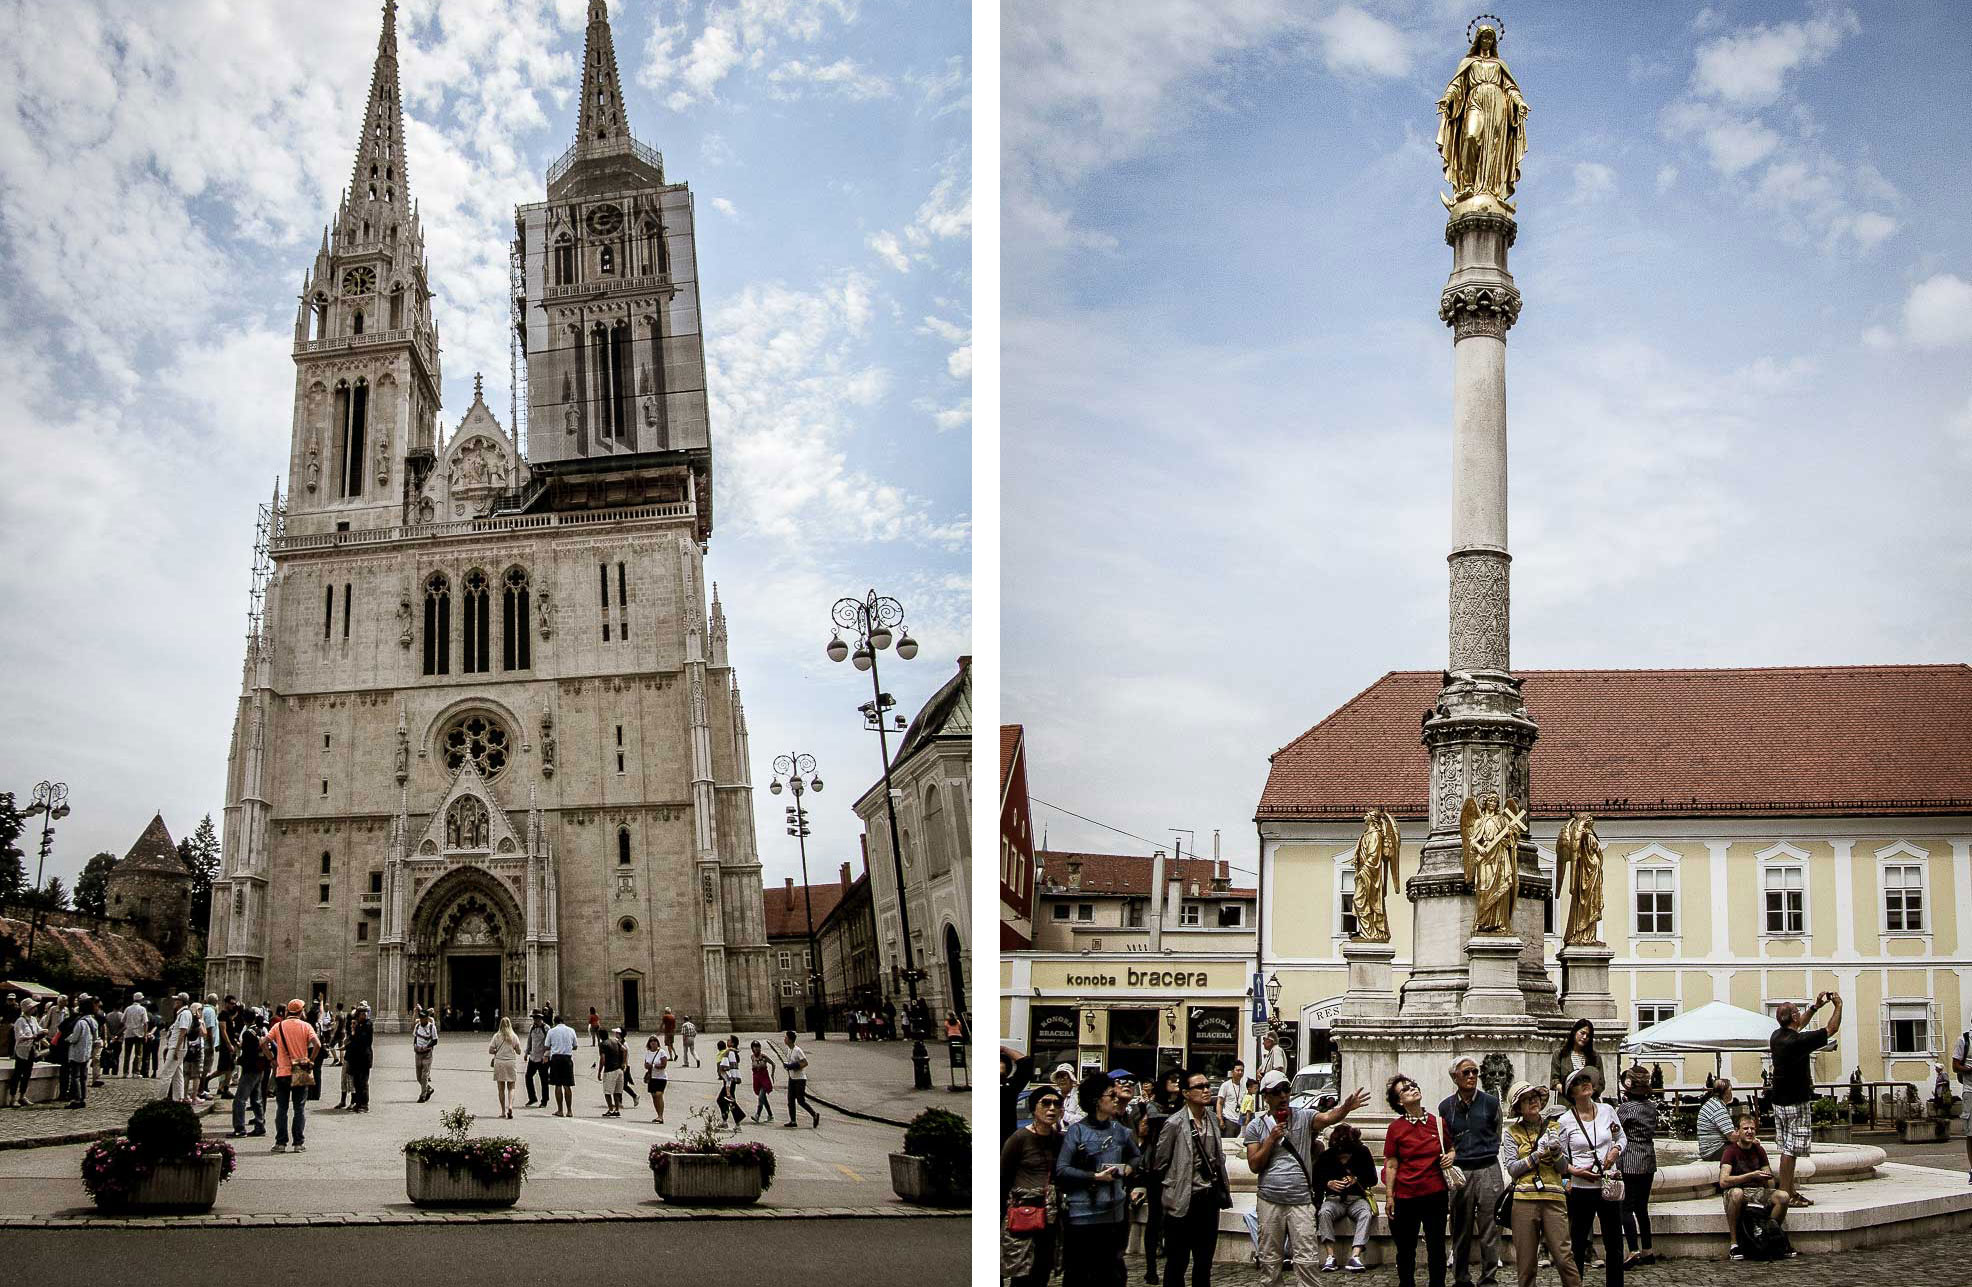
(319, 329)
(515, 648)
(438, 625)
(478, 658)
(356, 323)
(623, 846)
(396, 296)
(606, 260)
(564, 260)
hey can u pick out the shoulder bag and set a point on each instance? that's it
(1454, 1176)
(301, 1071)
(1612, 1185)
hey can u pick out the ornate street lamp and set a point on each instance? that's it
(51, 802)
(869, 621)
(793, 767)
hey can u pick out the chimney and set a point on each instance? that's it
(1074, 873)
(1156, 903)
(790, 895)
(846, 882)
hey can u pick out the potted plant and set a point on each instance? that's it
(456, 1170)
(160, 1163)
(935, 1168)
(700, 1169)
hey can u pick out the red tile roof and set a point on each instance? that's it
(1009, 743)
(94, 954)
(787, 915)
(1122, 873)
(1781, 741)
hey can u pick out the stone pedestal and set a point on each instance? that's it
(1493, 976)
(1372, 992)
(1585, 984)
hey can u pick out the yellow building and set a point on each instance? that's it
(1769, 834)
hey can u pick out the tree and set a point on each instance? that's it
(54, 895)
(13, 871)
(92, 889)
(200, 853)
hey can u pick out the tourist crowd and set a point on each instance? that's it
(1567, 1172)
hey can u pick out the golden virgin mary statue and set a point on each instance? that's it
(1490, 851)
(1578, 860)
(1482, 128)
(1376, 874)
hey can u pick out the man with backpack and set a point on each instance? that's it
(1755, 1206)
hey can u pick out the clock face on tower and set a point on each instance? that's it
(605, 221)
(359, 281)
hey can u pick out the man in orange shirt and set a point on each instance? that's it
(292, 1041)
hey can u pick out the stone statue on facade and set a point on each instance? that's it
(1578, 862)
(1490, 839)
(1482, 129)
(403, 769)
(547, 744)
(404, 623)
(1376, 873)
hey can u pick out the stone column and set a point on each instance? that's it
(1477, 734)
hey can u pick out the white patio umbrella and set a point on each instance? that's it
(1713, 1028)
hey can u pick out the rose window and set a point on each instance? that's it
(477, 737)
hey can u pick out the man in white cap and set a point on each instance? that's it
(1065, 1081)
(1280, 1146)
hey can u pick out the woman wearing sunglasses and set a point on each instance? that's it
(1027, 1166)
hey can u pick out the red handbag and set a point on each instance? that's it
(1026, 1221)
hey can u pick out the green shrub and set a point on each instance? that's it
(944, 1140)
(489, 1158)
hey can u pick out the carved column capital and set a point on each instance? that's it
(1479, 310)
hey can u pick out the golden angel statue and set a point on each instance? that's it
(1376, 872)
(1482, 127)
(1578, 861)
(1490, 851)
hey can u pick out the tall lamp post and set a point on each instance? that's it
(792, 767)
(870, 621)
(51, 802)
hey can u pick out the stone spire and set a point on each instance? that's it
(379, 174)
(601, 120)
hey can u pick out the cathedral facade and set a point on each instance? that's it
(489, 752)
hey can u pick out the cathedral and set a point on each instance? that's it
(489, 752)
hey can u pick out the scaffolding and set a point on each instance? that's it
(517, 347)
(267, 529)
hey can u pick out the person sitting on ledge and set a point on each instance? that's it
(1745, 1176)
(1715, 1118)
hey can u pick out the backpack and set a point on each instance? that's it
(1760, 1238)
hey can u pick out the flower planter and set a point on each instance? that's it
(450, 1186)
(911, 1178)
(176, 1186)
(703, 1179)
(1922, 1130)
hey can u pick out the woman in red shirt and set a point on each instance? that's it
(1414, 1158)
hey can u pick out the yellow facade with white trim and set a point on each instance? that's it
(1884, 908)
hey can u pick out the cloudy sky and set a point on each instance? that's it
(1740, 393)
(165, 173)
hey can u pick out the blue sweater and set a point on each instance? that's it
(1088, 1147)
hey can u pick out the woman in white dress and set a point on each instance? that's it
(505, 1049)
(657, 1062)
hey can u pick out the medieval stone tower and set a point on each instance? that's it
(152, 889)
(489, 752)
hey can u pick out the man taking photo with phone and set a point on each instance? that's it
(1793, 1045)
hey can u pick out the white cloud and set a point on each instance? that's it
(725, 207)
(843, 76)
(890, 250)
(1354, 41)
(1938, 312)
(1593, 181)
(1959, 427)
(947, 90)
(1667, 177)
(1879, 338)
(1731, 142)
(1751, 66)
(1870, 228)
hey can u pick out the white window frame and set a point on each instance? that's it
(1897, 1009)
(787, 989)
(1903, 854)
(1238, 911)
(787, 960)
(1059, 910)
(1655, 858)
(1654, 1007)
(1785, 857)
(1189, 915)
(1345, 900)
(1085, 913)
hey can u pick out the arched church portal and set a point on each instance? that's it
(467, 949)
